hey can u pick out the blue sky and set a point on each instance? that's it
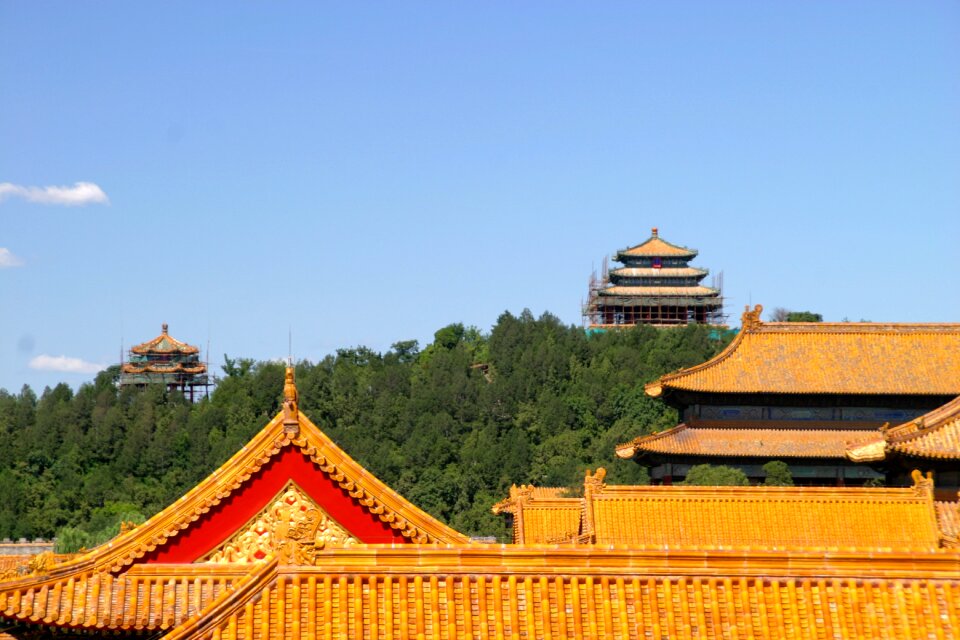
(368, 173)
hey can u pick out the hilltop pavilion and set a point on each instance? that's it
(656, 285)
(166, 361)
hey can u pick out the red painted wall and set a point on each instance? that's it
(225, 519)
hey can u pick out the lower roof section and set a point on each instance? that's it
(935, 436)
(749, 442)
(573, 593)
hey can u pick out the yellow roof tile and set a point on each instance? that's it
(767, 517)
(828, 358)
(409, 593)
(934, 435)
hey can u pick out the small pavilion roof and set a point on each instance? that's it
(750, 442)
(163, 344)
(656, 247)
(933, 435)
(828, 358)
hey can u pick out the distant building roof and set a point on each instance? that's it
(665, 272)
(657, 247)
(787, 442)
(653, 292)
(164, 343)
(828, 358)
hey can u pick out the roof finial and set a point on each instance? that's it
(654, 232)
(291, 419)
(751, 319)
(164, 327)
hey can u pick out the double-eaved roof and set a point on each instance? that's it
(845, 358)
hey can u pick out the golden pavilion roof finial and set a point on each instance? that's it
(291, 398)
(653, 232)
(164, 328)
(751, 319)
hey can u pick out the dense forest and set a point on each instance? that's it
(450, 426)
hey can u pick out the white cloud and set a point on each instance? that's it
(7, 259)
(64, 364)
(81, 193)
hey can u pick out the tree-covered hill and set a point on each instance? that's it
(450, 427)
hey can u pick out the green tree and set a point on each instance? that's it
(804, 316)
(707, 475)
(778, 474)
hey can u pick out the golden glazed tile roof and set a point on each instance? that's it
(787, 442)
(452, 595)
(541, 514)
(657, 247)
(658, 292)
(935, 435)
(948, 517)
(828, 358)
(164, 343)
(787, 518)
(768, 517)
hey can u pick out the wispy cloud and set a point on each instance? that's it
(81, 193)
(7, 259)
(64, 364)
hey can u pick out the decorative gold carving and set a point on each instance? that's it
(594, 482)
(293, 527)
(922, 485)
(291, 420)
(41, 563)
(751, 319)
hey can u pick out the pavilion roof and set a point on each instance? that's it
(664, 272)
(828, 358)
(933, 435)
(164, 344)
(658, 292)
(656, 247)
(787, 441)
(163, 367)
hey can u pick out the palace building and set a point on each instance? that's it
(825, 398)
(166, 361)
(656, 285)
(291, 538)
